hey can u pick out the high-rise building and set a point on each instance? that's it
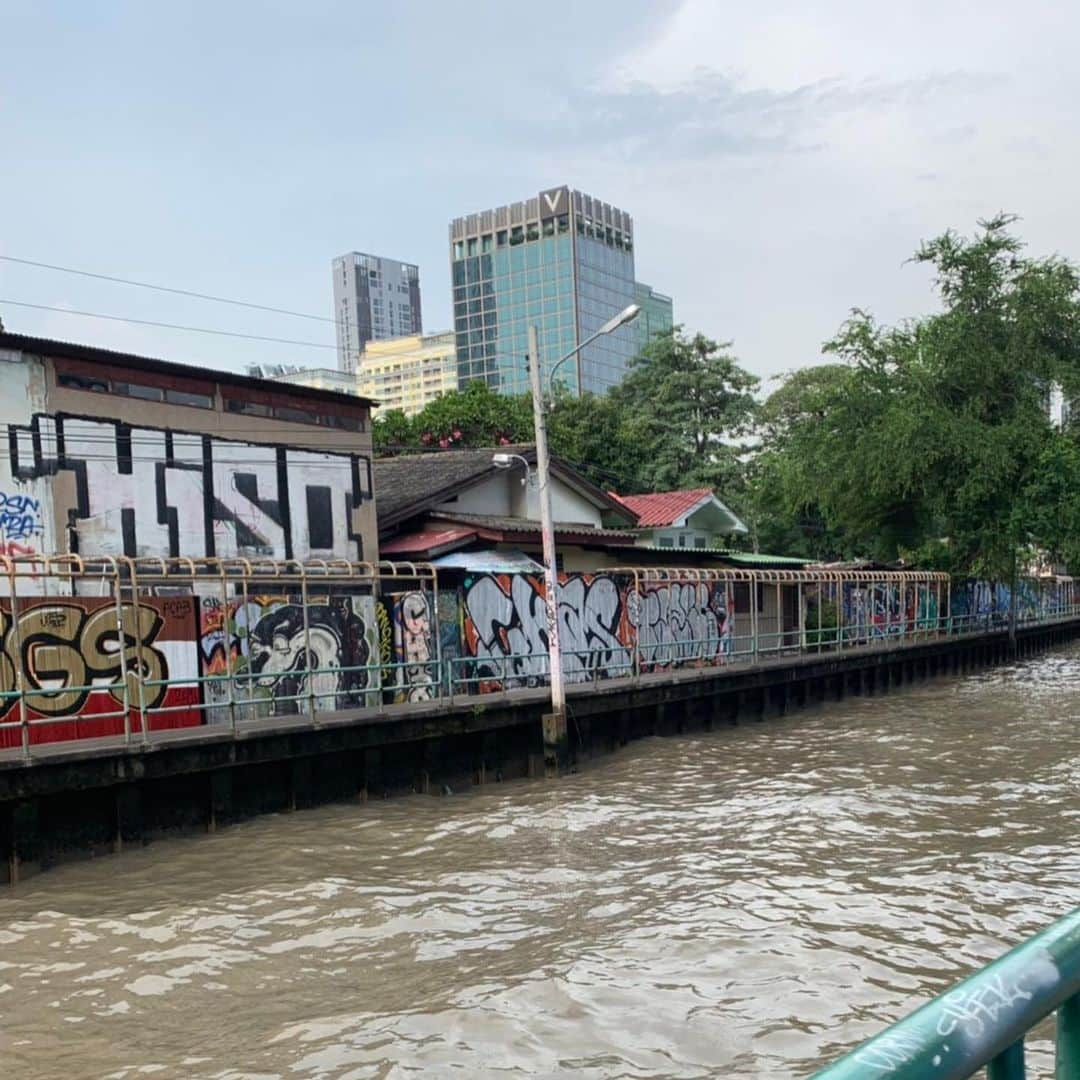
(399, 373)
(562, 261)
(657, 313)
(374, 298)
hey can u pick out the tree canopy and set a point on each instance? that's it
(932, 438)
(927, 440)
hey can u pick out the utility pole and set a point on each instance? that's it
(554, 723)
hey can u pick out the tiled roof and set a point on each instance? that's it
(411, 482)
(622, 537)
(663, 508)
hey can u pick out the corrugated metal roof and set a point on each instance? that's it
(92, 354)
(489, 562)
(756, 558)
(525, 525)
(421, 543)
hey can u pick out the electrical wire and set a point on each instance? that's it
(167, 326)
(168, 289)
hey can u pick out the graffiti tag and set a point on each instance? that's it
(66, 652)
(20, 516)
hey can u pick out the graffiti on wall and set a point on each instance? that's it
(413, 647)
(81, 660)
(144, 491)
(602, 620)
(681, 622)
(20, 517)
(263, 655)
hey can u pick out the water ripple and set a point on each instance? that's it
(743, 903)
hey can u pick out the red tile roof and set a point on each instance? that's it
(664, 507)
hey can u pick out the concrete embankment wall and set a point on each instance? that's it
(76, 800)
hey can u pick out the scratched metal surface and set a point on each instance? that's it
(744, 903)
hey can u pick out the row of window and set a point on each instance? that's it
(170, 396)
(519, 234)
(524, 234)
(135, 390)
(294, 415)
(668, 541)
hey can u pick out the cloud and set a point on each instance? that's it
(712, 114)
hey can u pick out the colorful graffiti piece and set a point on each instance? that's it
(414, 650)
(603, 619)
(82, 660)
(267, 660)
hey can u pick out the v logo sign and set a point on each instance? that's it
(552, 199)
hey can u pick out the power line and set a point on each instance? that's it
(168, 326)
(168, 289)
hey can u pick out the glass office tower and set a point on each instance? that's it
(561, 261)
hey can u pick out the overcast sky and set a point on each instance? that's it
(780, 160)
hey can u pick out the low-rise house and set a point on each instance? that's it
(694, 518)
(435, 503)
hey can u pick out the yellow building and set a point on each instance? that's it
(399, 373)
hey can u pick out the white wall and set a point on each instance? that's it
(504, 495)
(492, 496)
(27, 523)
(161, 491)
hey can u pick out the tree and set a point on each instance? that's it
(932, 440)
(686, 403)
(475, 416)
(782, 509)
(392, 431)
(591, 432)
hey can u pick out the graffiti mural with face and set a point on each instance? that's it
(276, 663)
(413, 647)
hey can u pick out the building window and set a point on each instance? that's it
(699, 541)
(143, 393)
(666, 542)
(83, 382)
(182, 397)
(320, 519)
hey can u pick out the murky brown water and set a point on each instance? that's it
(734, 904)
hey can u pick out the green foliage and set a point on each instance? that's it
(475, 416)
(591, 432)
(687, 404)
(392, 430)
(828, 632)
(931, 438)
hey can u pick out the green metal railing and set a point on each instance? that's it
(981, 1022)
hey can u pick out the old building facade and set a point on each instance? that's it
(113, 454)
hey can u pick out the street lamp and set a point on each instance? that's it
(628, 314)
(506, 461)
(554, 723)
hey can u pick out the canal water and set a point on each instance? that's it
(741, 903)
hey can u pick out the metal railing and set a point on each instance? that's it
(981, 1022)
(253, 640)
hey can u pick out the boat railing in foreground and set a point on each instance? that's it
(982, 1021)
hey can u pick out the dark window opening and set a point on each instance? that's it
(320, 519)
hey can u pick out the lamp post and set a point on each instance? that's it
(554, 723)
